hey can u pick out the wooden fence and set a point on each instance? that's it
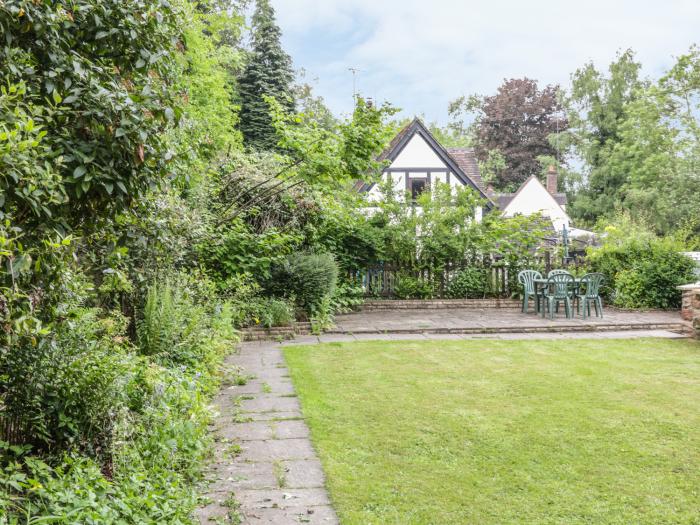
(13, 429)
(381, 279)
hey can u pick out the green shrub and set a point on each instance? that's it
(410, 287)
(69, 388)
(177, 329)
(642, 272)
(322, 315)
(307, 277)
(276, 312)
(469, 283)
(127, 433)
(150, 475)
(347, 297)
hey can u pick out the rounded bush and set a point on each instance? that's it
(307, 277)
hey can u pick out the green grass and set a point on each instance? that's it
(491, 432)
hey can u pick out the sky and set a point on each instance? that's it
(421, 54)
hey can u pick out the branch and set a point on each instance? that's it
(280, 172)
(249, 204)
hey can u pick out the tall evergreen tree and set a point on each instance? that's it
(268, 72)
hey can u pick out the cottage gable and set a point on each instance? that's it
(533, 197)
(416, 160)
(417, 153)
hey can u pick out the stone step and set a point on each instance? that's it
(259, 333)
(559, 328)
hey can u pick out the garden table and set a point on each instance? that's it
(542, 282)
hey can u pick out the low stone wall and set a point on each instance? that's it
(438, 304)
(276, 333)
(690, 307)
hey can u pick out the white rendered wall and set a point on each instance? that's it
(439, 177)
(533, 198)
(417, 154)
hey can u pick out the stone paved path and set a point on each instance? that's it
(264, 456)
(264, 459)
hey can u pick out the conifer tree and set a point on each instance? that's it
(268, 72)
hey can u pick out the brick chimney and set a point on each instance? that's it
(552, 181)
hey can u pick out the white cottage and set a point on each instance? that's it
(416, 160)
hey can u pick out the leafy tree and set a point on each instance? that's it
(207, 79)
(328, 158)
(641, 141)
(597, 109)
(208, 129)
(516, 123)
(659, 150)
(87, 97)
(268, 73)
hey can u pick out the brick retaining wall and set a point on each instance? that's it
(259, 333)
(690, 308)
(437, 304)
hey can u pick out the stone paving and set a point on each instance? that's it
(496, 320)
(265, 469)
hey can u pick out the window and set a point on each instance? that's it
(417, 187)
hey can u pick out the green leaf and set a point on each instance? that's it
(79, 172)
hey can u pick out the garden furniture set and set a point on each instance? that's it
(561, 287)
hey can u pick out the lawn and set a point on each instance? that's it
(480, 432)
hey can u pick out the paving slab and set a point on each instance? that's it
(274, 416)
(319, 515)
(290, 429)
(303, 473)
(243, 475)
(270, 403)
(277, 449)
(283, 498)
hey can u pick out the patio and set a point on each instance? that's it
(497, 320)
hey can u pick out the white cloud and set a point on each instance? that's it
(421, 55)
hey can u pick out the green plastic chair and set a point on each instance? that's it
(557, 272)
(527, 279)
(590, 285)
(559, 288)
(562, 272)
